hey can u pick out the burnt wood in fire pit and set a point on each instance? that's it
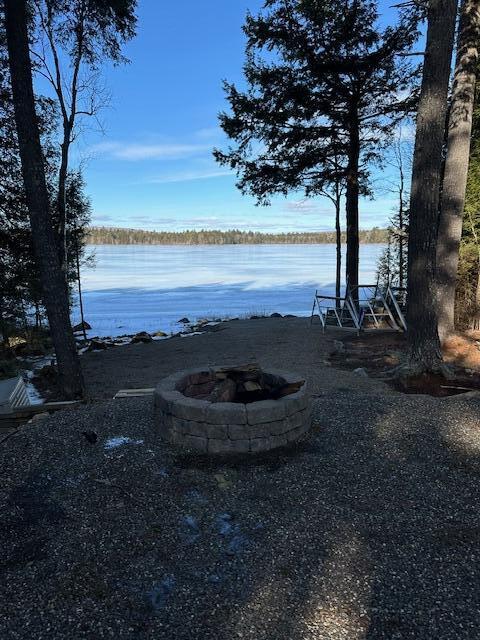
(240, 409)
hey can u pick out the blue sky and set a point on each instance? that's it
(152, 167)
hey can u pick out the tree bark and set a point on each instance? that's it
(401, 224)
(62, 204)
(456, 164)
(424, 352)
(351, 202)
(338, 243)
(476, 316)
(43, 236)
(79, 281)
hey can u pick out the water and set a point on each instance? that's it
(149, 288)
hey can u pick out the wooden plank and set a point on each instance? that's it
(133, 393)
(450, 386)
(149, 390)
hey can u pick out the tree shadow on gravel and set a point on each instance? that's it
(373, 527)
(27, 522)
(270, 460)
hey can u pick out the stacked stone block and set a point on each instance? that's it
(229, 427)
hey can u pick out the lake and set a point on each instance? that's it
(150, 287)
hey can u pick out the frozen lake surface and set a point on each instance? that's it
(150, 287)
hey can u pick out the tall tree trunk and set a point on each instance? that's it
(79, 280)
(62, 203)
(401, 224)
(3, 326)
(475, 320)
(424, 351)
(456, 164)
(43, 236)
(351, 202)
(37, 317)
(476, 316)
(338, 243)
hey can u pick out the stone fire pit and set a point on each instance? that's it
(232, 409)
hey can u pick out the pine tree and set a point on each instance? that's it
(78, 214)
(322, 79)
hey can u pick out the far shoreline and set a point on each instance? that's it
(100, 236)
(211, 244)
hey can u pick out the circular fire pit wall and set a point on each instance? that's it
(232, 410)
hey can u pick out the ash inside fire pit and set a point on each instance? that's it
(242, 384)
(240, 409)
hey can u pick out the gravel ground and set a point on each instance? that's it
(368, 529)
(284, 343)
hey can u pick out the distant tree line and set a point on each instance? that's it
(111, 235)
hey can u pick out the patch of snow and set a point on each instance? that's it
(37, 362)
(118, 441)
(32, 393)
(193, 333)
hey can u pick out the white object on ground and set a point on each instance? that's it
(133, 393)
(118, 441)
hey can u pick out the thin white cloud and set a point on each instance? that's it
(101, 218)
(200, 222)
(306, 207)
(209, 133)
(149, 220)
(135, 152)
(187, 176)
